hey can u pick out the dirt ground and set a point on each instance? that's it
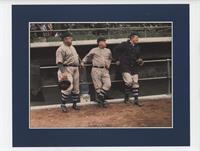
(154, 113)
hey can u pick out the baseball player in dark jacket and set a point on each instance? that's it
(129, 58)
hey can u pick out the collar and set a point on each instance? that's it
(66, 45)
(101, 48)
(131, 43)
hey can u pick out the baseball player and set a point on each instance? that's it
(129, 59)
(67, 60)
(101, 58)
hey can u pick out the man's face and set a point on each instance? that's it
(102, 44)
(68, 41)
(135, 39)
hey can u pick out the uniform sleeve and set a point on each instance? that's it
(88, 57)
(110, 57)
(139, 53)
(59, 56)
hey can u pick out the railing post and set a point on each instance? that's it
(168, 76)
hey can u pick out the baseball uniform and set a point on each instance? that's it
(128, 53)
(68, 57)
(101, 59)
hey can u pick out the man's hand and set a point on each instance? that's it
(117, 63)
(64, 76)
(107, 67)
(82, 65)
(140, 61)
(61, 67)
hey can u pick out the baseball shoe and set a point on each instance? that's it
(63, 108)
(136, 102)
(75, 107)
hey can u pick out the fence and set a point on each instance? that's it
(92, 33)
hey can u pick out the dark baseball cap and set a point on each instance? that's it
(133, 34)
(101, 39)
(66, 34)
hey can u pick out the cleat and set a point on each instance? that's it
(136, 102)
(104, 105)
(126, 99)
(100, 103)
(75, 107)
(63, 108)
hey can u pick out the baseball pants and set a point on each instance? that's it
(101, 80)
(73, 76)
(131, 83)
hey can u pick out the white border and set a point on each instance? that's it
(6, 88)
(29, 45)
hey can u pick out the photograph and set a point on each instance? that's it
(100, 75)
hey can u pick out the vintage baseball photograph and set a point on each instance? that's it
(100, 75)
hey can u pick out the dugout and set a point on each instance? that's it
(155, 75)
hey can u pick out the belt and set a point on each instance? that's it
(98, 67)
(70, 65)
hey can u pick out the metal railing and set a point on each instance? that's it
(87, 65)
(115, 81)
